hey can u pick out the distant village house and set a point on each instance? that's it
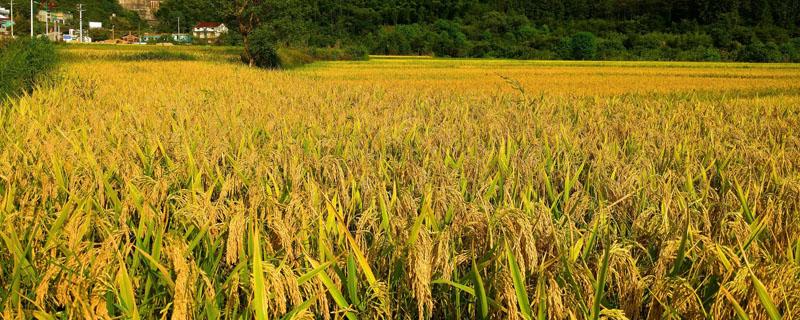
(183, 38)
(130, 38)
(209, 31)
(53, 17)
(5, 21)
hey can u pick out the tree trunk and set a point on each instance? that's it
(250, 61)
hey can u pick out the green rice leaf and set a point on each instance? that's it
(519, 285)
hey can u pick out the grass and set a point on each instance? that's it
(401, 188)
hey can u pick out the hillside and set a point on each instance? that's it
(750, 30)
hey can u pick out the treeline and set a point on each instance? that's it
(734, 30)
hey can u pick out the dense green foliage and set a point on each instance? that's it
(263, 53)
(751, 30)
(23, 63)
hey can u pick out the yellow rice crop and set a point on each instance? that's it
(402, 188)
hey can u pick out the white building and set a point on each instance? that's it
(209, 31)
(5, 21)
(55, 17)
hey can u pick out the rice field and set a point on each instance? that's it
(401, 188)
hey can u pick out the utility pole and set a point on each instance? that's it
(47, 23)
(31, 18)
(12, 18)
(80, 13)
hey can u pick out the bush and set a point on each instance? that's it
(100, 34)
(360, 53)
(584, 46)
(24, 63)
(611, 48)
(759, 52)
(791, 50)
(262, 50)
(699, 54)
(230, 39)
(292, 58)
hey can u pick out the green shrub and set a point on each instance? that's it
(791, 50)
(360, 53)
(611, 48)
(262, 50)
(584, 46)
(24, 63)
(292, 58)
(759, 52)
(699, 54)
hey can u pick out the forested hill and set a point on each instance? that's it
(753, 30)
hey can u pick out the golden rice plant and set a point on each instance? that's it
(409, 189)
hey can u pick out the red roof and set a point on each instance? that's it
(208, 24)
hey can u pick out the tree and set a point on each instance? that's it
(248, 18)
(282, 20)
(584, 46)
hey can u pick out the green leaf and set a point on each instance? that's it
(456, 285)
(163, 272)
(352, 280)
(749, 216)
(340, 300)
(300, 308)
(797, 252)
(480, 293)
(600, 285)
(736, 307)
(681, 255)
(126, 295)
(58, 226)
(756, 227)
(519, 285)
(259, 294)
(763, 296)
(542, 313)
(304, 278)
